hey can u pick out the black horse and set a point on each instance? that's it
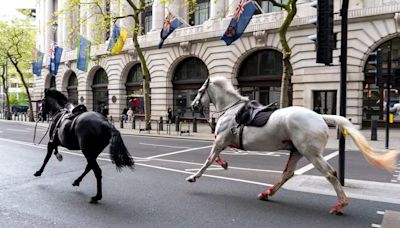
(89, 132)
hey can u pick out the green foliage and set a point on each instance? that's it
(17, 100)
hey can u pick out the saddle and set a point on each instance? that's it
(76, 111)
(255, 114)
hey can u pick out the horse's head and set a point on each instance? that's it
(202, 98)
(53, 101)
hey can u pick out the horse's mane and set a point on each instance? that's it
(58, 96)
(226, 85)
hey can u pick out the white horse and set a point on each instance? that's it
(303, 131)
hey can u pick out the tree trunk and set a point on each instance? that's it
(30, 114)
(291, 10)
(7, 113)
(145, 70)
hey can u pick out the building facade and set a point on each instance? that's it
(191, 54)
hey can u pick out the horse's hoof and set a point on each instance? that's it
(76, 183)
(191, 179)
(37, 174)
(225, 165)
(59, 157)
(335, 211)
(94, 200)
(262, 196)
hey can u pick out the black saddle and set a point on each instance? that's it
(76, 111)
(255, 114)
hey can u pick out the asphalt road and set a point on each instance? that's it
(156, 194)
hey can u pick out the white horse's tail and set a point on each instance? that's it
(385, 160)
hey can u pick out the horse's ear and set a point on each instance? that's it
(46, 91)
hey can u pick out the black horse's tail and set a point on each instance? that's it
(118, 152)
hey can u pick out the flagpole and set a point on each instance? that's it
(259, 7)
(181, 19)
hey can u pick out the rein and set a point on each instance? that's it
(34, 132)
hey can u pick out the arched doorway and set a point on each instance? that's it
(100, 91)
(134, 89)
(188, 77)
(260, 76)
(52, 82)
(72, 89)
(374, 93)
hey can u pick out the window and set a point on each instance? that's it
(72, 89)
(134, 83)
(199, 12)
(325, 102)
(268, 7)
(100, 78)
(189, 75)
(146, 18)
(262, 63)
(53, 82)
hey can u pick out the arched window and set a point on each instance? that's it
(134, 89)
(188, 77)
(373, 93)
(52, 82)
(260, 76)
(100, 91)
(72, 89)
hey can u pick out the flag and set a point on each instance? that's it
(243, 14)
(83, 53)
(117, 40)
(55, 58)
(37, 63)
(170, 24)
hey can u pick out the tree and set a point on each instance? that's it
(16, 45)
(291, 9)
(4, 80)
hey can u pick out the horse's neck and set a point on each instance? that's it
(225, 100)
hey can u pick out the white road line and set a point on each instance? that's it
(393, 181)
(380, 212)
(160, 145)
(216, 168)
(274, 154)
(311, 166)
(156, 167)
(179, 151)
(230, 167)
(17, 130)
(375, 225)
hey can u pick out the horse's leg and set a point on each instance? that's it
(330, 174)
(219, 145)
(288, 172)
(80, 178)
(221, 162)
(97, 173)
(58, 155)
(50, 148)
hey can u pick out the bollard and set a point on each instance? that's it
(133, 122)
(213, 124)
(161, 127)
(121, 122)
(194, 124)
(176, 123)
(374, 132)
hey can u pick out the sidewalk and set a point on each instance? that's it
(204, 133)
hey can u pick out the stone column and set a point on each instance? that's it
(217, 9)
(126, 23)
(83, 16)
(61, 25)
(233, 4)
(158, 15)
(48, 29)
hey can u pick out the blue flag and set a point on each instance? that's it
(37, 63)
(55, 58)
(170, 24)
(83, 53)
(243, 14)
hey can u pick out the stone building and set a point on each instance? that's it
(191, 54)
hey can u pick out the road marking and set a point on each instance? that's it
(274, 154)
(160, 145)
(230, 167)
(375, 225)
(311, 166)
(380, 212)
(17, 130)
(179, 151)
(216, 168)
(393, 181)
